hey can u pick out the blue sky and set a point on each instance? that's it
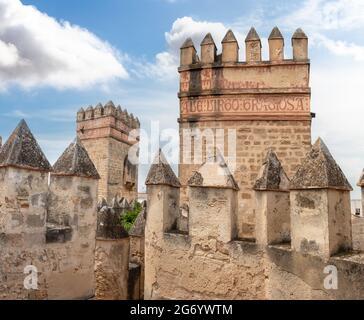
(61, 55)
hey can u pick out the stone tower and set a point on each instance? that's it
(264, 104)
(104, 131)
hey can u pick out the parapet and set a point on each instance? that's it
(230, 49)
(220, 86)
(106, 121)
(21, 150)
(138, 228)
(108, 110)
(75, 161)
(109, 225)
(320, 171)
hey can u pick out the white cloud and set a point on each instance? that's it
(336, 82)
(166, 63)
(329, 15)
(322, 19)
(37, 50)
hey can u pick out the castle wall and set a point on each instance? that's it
(291, 140)
(22, 231)
(62, 252)
(72, 205)
(137, 258)
(98, 149)
(111, 268)
(267, 103)
(207, 262)
(47, 221)
(111, 255)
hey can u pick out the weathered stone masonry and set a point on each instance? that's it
(50, 227)
(105, 133)
(289, 198)
(266, 102)
(303, 226)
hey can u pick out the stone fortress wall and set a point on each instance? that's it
(54, 225)
(267, 103)
(48, 220)
(273, 229)
(303, 234)
(279, 225)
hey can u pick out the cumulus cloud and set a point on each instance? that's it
(38, 50)
(325, 18)
(166, 63)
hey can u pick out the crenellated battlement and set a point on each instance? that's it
(266, 103)
(107, 132)
(229, 55)
(47, 216)
(108, 110)
(303, 226)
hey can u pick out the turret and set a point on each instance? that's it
(163, 211)
(24, 185)
(320, 205)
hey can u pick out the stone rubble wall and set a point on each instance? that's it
(52, 228)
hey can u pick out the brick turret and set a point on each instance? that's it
(104, 131)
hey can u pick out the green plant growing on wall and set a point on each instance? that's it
(128, 218)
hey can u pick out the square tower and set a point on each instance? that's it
(105, 133)
(264, 104)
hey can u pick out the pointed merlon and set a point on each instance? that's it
(161, 173)
(22, 150)
(229, 37)
(188, 44)
(361, 180)
(319, 171)
(110, 104)
(275, 34)
(108, 225)
(99, 110)
(252, 35)
(75, 161)
(299, 34)
(272, 176)
(115, 203)
(103, 203)
(124, 204)
(81, 110)
(214, 173)
(138, 228)
(208, 40)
